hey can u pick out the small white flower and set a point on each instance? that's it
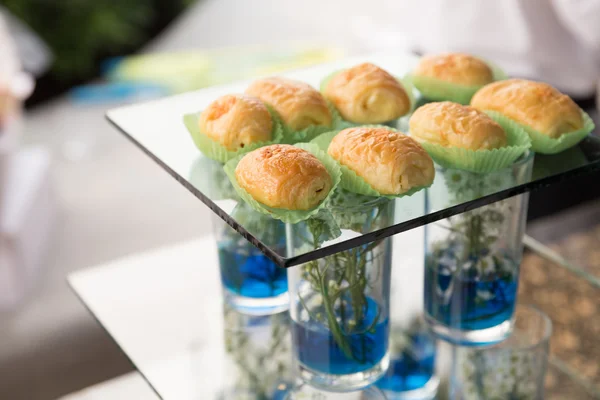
(486, 265)
(467, 265)
(485, 295)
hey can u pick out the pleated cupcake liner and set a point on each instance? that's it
(350, 180)
(409, 88)
(544, 144)
(288, 216)
(439, 90)
(305, 135)
(483, 161)
(215, 150)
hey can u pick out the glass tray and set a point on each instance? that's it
(157, 129)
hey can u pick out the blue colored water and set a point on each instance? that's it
(319, 351)
(413, 367)
(282, 391)
(469, 300)
(249, 273)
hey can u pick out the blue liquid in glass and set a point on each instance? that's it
(413, 367)
(467, 299)
(249, 273)
(319, 351)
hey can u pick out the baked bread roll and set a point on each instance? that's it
(453, 125)
(236, 120)
(366, 94)
(284, 176)
(391, 162)
(534, 104)
(298, 103)
(457, 68)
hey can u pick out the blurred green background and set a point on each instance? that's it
(83, 33)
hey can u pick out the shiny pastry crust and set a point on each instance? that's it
(453, 125)
(458, 68)
(298, 103)
(284, 176)
(236, 121)
(391, 162)
(534, 104)
(366, 94)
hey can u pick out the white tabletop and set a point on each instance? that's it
(164, 309)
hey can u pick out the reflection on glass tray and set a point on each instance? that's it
(157, 129)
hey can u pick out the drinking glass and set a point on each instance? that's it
(340, 303)
(411, 374)
(513, 369)
(413, 348)
(472, 259)
(252, 283)
(258, 358)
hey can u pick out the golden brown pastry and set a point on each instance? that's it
(458, 68)
(453, 125)
(298, 103)
(534, 104)
(284, 176)
(391, 162)
(236, 120)
(366, 94)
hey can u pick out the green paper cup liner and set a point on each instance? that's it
(546, 165)
(439, 90)
(287, 216)
(325, 81)
(483, 161)
(406, 83)
(217, 151)
(350, 181)
(411, 92)
(543, 144)
(498, 73)
(307, 134)
(409, 88)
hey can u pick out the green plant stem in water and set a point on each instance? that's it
(349, 266)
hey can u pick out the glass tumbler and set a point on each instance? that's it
(472, 259)
(513, 369)
(339, 304)
(252, 283)
(411, 374)
(258, 358)
(413, 348)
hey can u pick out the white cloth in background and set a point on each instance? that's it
(557, 41)
(9, 67)
(33, 54)
(210, 24)
(13, 81)
(9, 61)
(27, 216)
(15, 87)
